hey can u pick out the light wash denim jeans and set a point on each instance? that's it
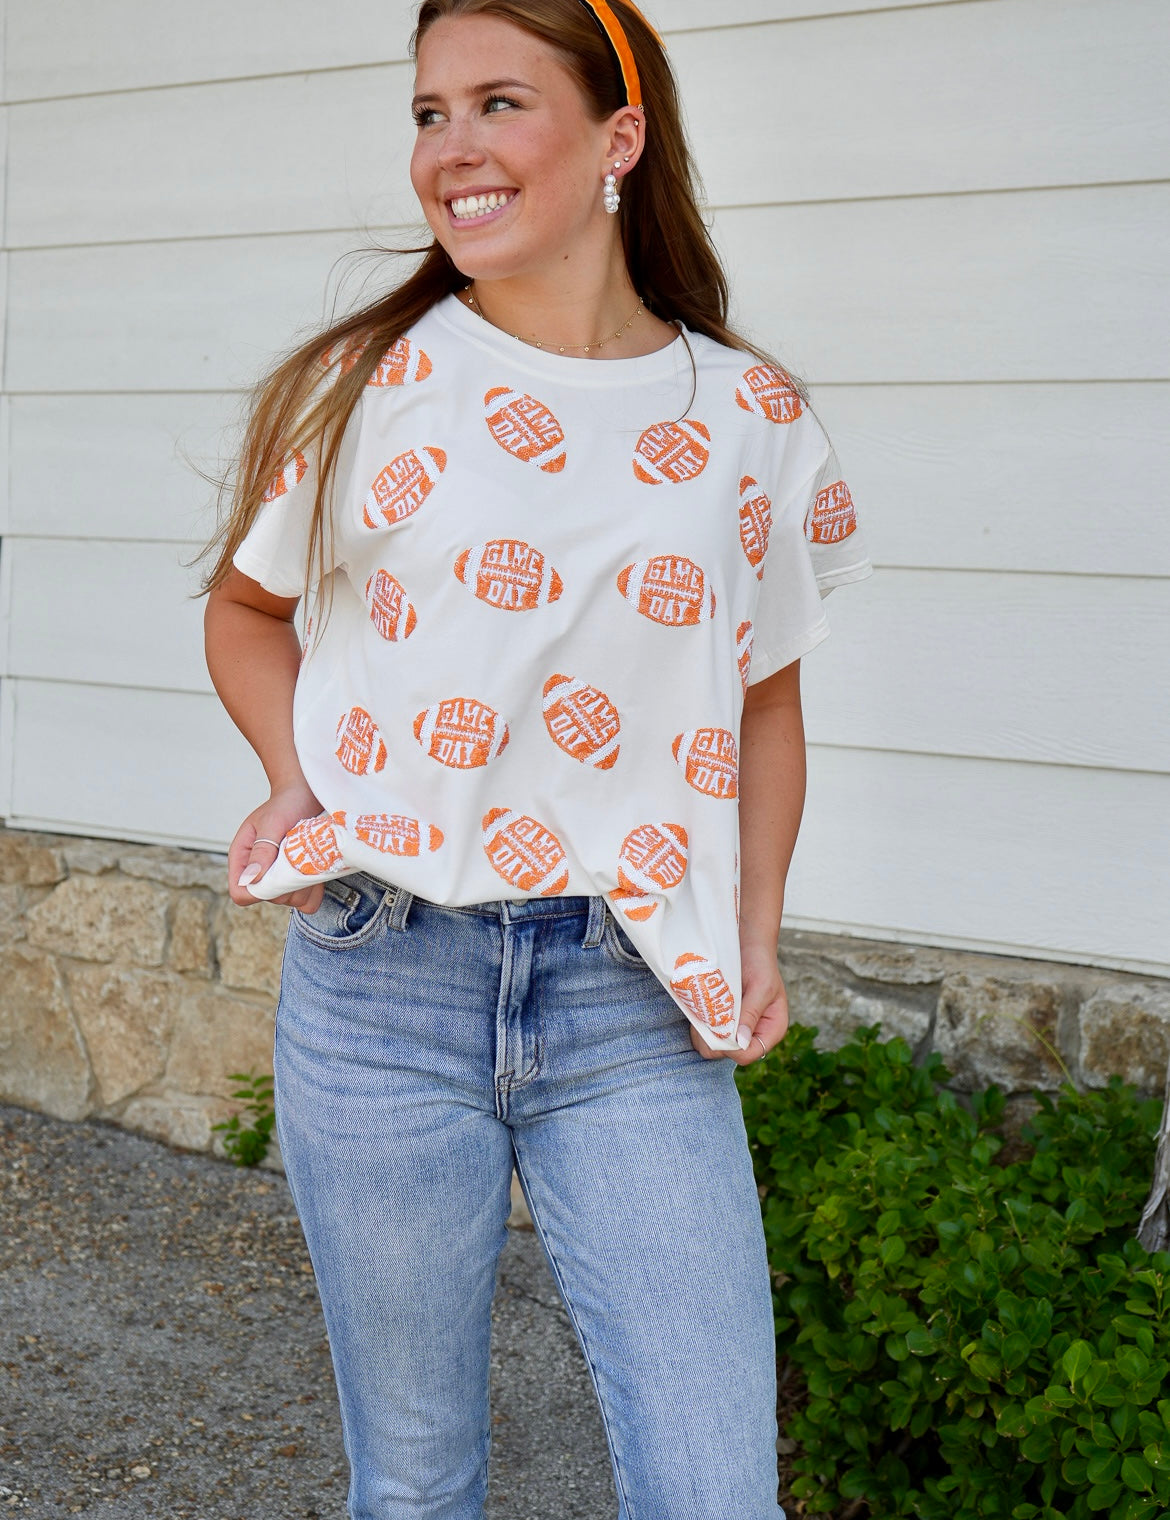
(421, 1053)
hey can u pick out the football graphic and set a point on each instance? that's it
(345, 354)
(401, 488)
(832, 516)
(743, 652)
(292, 475)
(522, 851)
(669, 589)
(702, 988)
(582, 721)
(461, 732)
(709, 759)
(672, 452)
(769, 393)
(394, 834)
(311, 847)
(402, 362)
(390, 612)
(360, 746)
(755, 523)
(652, 859)
(509, 574)
(525, 428)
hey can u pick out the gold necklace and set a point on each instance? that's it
(561, 348)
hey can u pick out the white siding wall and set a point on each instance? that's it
(952, 217)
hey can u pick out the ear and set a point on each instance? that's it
(627, 137)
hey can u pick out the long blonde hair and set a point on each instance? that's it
(671, 259)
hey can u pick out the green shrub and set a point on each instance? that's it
(980, 1341)
(247, 1144)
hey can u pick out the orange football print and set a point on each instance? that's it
(311, 847)
(755, 523)
(401, 488)
(743, 652)
(390, 612)
(360, 746)
(402, 362)
(461, 732)
(582, 721)
(672, 452)
(345, 354)
(669, 589)
(509, 574)
(768, 392)
(702, 988)
(709, 759)
(653, 857)
(635, 905)
(395, 834)
(292, 475)
(524, 853)
(525, 428)
(832, 516)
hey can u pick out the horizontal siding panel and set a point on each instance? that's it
(1065, 283)
(115, 613)
(1050, 862)
(1016, 667)
(1057, 284)
(1008, 477)
(121, 466)
(54, 50)
(323, 150)
(124, 764)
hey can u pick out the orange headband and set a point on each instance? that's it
(614, 30)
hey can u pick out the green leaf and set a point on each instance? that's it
(1104, 1496)
(1076, 1361)
(1136, 1474)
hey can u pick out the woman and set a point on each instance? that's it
(565, 537)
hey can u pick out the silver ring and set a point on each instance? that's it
(763, 1047)
(275, 843)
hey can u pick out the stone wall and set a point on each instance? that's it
(130, 986)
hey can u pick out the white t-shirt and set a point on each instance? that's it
(553, 580)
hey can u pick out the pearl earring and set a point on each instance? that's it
(609, 191)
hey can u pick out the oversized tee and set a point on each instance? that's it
(552, 580)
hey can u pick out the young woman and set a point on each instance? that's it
(538, 772)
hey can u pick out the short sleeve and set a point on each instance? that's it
(275, 549)
(814, 545)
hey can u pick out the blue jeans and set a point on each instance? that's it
(422, 1052)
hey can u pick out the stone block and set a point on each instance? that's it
(14, 901)
(250, 946)
(177, 1119)
(822, 998)
(987, 1032)
(43, 1063)
(214, 1035)
(92, 857)
(102, 918)
(1125, 1029)
(29, 859)
(176, 868)
(125, 1015)
(191, 947)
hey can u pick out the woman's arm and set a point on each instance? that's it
(253, 655)
(771, 800)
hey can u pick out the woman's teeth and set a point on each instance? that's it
(467, 208)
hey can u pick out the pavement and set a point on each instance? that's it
(162, 1351)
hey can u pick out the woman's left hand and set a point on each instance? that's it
(764, 1009)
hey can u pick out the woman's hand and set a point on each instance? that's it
(763, 1011)
(271, 821)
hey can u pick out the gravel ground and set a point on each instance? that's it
(162, 1351)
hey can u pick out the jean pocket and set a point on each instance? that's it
(619, 944)
(352, 911)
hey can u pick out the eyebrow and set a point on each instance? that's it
(483, 89)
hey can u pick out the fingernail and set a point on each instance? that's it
(249, 876)
(743, 1038)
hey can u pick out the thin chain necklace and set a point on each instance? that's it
(561, 348)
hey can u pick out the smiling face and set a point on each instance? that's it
(507, 164)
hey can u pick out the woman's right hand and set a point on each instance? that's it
(271, 821)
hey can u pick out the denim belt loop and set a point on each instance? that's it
(595, 927)
(400, 907)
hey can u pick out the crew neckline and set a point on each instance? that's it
(663, 363)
